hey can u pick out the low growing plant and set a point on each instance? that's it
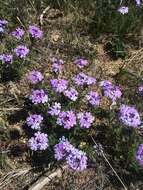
(64, 115)
(15, 49)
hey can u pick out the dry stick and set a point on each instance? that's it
(111, 166)
(32, 5)
(42, 15)
(23, 27)
(4, 151)
(45, 180)
(10, 109)
(21, 23)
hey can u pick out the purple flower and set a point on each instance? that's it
(71, 93)
(77, 160)
(34, 77)
(35, 32)
(129, 116)
(34, 121)
(55, 109)
(140, 90)
(138, 2)
(123, 10)
(6, 58)
(62, 149)
(90, 80)
(38, 96)
(57, 61)
(38, 142)
(82, 79)
(3, 24)
(105, 84)
(85, 119)
(111, 91)
(93, 98)
(139, 154)
(56, 64)
(59, 85)
(21, 51)
(67, 119)
(56, 68)
(18, 33)
(81, 62)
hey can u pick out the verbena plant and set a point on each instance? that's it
(15, 49)
(64, 116)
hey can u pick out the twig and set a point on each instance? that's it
(4, 151)
(32, 5)
(42, 15)
(21, 22)
(104, 156)
(9, 109)
(45, 180)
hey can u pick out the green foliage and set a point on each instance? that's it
(100, 18)
(116, 48)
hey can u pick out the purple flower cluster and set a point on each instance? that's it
(6, 58)
(85, 119)
(35, 76)
(62, 149)
(56, 64)
(123, 10)
(21, 51)
(18, 33)
(67, 119)
(3, 24)
(38, 97)
(35, 32)
(71, 93)
(55, 109)
(34, 121)
(129, 116)
(111, 91)
(93, 98)
(83, 79)
(76, 159)
(81, 62)
(59, 85)
(139, 154)
(38, 142)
